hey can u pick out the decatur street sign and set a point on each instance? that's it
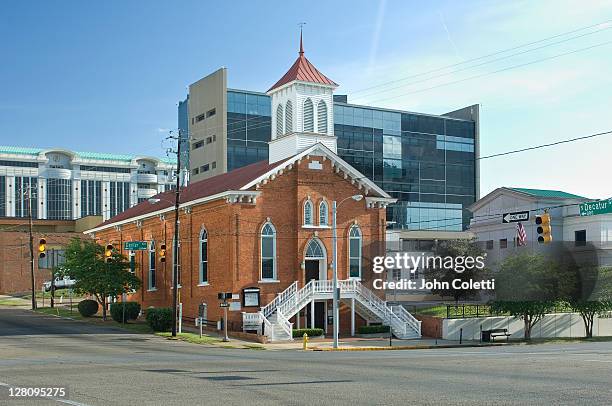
(594, 208)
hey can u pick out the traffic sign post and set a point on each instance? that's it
(515, 217)
(595, 208)
(136, 245)
(224, 296)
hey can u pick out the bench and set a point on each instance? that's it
(489, 335)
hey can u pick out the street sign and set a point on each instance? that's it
(224, 304)
(135, 245)
(515, 217)
(594, 208)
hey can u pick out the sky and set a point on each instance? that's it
(107, 76)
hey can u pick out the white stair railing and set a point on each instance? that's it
(379, 307)
(268, 328)
(297, 301)
(407, 317)
(292, 300)
(269, 309)
(284, 323)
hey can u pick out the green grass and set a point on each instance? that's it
(192, 338)
(14, 301)
(135, 327)
(61, 311)
(435, 311)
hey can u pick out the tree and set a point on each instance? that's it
(596, 300)
(86, 263)
(455, 249)
(529, 285)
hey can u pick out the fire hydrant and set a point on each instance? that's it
(305, 341)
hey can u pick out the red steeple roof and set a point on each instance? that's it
(304, 71)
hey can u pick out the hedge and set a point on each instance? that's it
(312, 332)
(160, 318)
(373, 329)
(132, 310)
(88, 307)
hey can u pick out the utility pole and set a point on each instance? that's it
(32, 276)
(176, 233)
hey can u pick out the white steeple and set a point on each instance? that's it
(302, 110)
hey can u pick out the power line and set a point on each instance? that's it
(546, 145)
(482, 63)
(483, 57)
(495, 71)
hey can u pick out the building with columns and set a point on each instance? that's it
(264, 231)
(67, 185)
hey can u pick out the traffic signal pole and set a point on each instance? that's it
(32, 276)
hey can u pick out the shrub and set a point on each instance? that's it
(160, 319)
(373, 329)
(312, 332)
(132, 309)
(88, 307)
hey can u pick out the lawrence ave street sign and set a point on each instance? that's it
(594, 208)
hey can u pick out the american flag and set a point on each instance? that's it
(521, 234)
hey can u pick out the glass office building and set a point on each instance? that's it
(427, 162)
(248, 127)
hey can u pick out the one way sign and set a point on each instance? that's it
(515, 217)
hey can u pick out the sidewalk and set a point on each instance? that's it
(372, 344)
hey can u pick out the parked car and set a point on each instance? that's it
(63, 283)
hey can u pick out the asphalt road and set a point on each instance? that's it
(105, 366)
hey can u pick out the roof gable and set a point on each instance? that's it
(528, 195)
(547, 193)
(243, 179)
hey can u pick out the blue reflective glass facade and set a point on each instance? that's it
(183, 126)
(427, 162)
(249, 121)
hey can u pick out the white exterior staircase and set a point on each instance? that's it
(274, 317)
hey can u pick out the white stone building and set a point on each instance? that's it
(67, 185)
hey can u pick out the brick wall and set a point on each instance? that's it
(430, 326)
(234, 243)
(15, 259)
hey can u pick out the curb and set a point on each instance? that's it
(405, 347)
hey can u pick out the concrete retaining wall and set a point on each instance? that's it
(552, 325)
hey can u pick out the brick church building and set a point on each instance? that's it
(264, 231)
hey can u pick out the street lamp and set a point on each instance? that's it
(335, 290)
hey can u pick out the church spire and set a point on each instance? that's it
(301, 44)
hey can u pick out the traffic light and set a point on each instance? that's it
(544, 228)
(162, 253)
(42, 248)
(108, 252)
